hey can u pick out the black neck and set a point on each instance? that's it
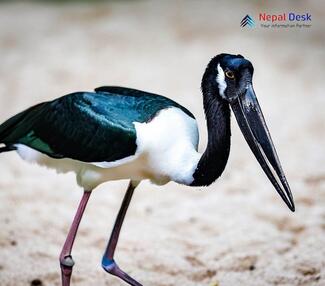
(217, 112)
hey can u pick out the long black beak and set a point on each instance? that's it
(252, 124)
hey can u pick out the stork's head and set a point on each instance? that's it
(228, 79)
(230, 75)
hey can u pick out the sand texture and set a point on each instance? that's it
(235, 232)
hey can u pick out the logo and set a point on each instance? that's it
(281, 20)
(247, 21)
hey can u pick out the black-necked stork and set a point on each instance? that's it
(121, 133)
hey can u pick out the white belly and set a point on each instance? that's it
(166, 151)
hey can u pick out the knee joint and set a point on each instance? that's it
(108, 265)
(67, 261)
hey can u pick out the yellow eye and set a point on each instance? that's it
(230, 74)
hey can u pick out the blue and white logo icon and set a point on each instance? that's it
(247, 21)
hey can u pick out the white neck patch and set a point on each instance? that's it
(221, 81)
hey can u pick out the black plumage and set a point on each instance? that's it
(86, 126)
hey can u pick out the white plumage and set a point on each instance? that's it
(166, 150)
(222, 85)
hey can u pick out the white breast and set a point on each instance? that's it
(166, 150)
(170, 142)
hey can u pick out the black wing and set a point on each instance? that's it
(86, 126)
(79, 126)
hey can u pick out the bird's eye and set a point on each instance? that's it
(230, 74)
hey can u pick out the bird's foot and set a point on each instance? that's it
(111, 267)
(66, 264)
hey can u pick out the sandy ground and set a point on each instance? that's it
(237, 231)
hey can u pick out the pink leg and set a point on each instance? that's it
(66, 261)
(108, 262)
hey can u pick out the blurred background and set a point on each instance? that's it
(236, 232)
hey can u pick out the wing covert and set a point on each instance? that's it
(82, 126)
(86, 126)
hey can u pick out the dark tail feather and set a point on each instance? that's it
(17, 126)
(7, 148)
